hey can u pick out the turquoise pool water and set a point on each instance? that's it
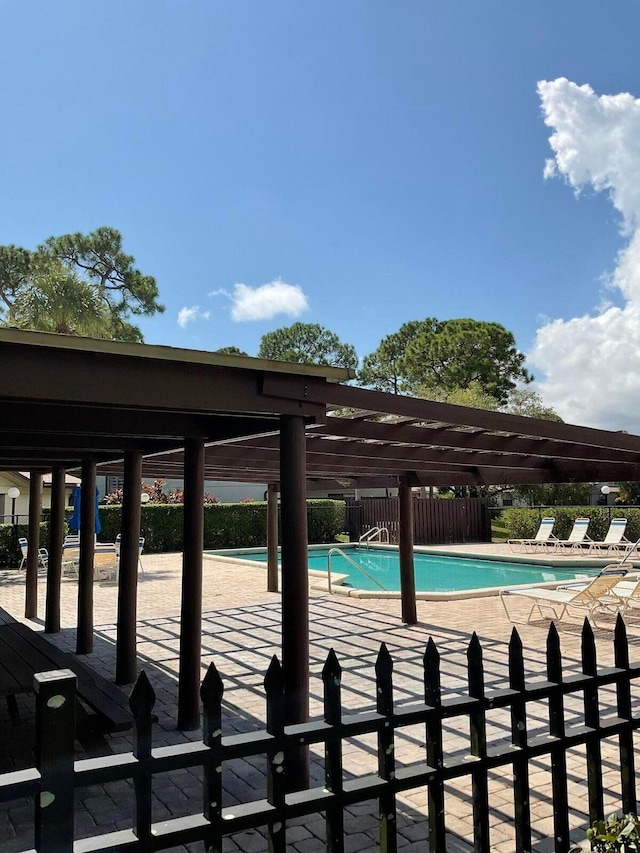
(433, 573)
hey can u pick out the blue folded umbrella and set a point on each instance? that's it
(74, 521)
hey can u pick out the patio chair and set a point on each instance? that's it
(140, 548)
(585, 599)
(43, 555)
(615, 541)
(70, 558)
(578, 538)
(105, 561)
(543, 537)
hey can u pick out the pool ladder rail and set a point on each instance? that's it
(353, 563)
(375, 534)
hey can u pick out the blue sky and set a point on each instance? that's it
(385, 158)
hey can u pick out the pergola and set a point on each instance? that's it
(70, 404)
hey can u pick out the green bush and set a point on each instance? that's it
(524, 523)
(617, 834)
(241, 525)
(10, 553)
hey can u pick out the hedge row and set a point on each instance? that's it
(10, 554)
(524, 523)
(242, 525)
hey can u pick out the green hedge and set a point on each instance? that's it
(10, 553)
(242, 525)
(524, 523)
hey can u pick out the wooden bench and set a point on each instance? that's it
(23, 652)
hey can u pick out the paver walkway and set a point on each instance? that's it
(241, 631)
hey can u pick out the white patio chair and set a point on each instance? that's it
(43, 554)
(140, 549)
(543, 537)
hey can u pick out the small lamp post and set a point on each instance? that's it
(145, 498)
(14, 494)
(605, 491)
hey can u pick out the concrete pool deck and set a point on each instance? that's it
(241, 630)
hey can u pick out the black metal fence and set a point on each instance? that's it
(53, 781)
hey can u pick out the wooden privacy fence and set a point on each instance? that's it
(52, 783)
(436, 521)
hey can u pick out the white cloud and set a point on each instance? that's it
(592, 363)
(266, 301)
(190, 315)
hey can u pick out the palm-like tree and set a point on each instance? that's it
(58, 301)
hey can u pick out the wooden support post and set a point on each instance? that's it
(295, 588)
(128, 571)
(35, 511)
(54, 564)
(191, 608)
(407, 577)
(84, 636)
(272, 537)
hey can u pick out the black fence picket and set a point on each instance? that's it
(592, 721)
(625, 738)
(211, 693)
(519, 739)
(333, 775)
(53, 782)
(557, 748)
(386, 746)
(435, 758)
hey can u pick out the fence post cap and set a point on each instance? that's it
(42, 679)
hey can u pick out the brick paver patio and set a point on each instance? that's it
(241, 631)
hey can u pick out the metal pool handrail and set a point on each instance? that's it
(353, 563)
(368, 535)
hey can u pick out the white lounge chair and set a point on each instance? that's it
(585, 599)
(615, 541)
(543, 537)
(43, 555)
(578, 538)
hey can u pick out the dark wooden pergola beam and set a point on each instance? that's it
(441, 437)
(115, 377)
(343, 465)
(43, 419)
(449, 414)
(318, 449)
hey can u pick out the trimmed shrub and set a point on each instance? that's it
(524, 523)
(10, 553)
(241, 525)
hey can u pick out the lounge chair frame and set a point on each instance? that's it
(597, 593)
(543, 537)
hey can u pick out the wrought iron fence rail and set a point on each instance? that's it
(53, 783)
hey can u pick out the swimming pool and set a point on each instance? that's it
(433, 572)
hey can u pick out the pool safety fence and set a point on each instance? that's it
(435, 521)
(52, 783)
